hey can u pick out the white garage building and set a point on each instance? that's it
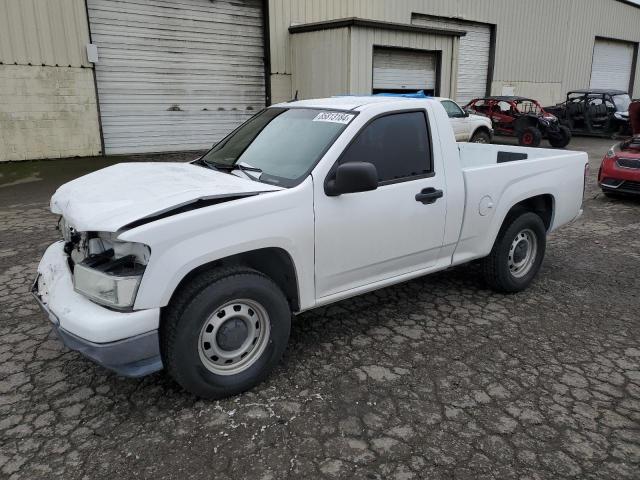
(84, 77)
(541, 49)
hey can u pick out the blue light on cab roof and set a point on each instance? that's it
(418, 94)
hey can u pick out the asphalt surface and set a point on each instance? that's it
(435, 378)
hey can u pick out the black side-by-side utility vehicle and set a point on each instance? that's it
(595, 112)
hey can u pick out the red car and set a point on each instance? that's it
(620, 169)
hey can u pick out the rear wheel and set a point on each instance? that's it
(224, 332)
(481, 137)
(530, 137)
(560, 139)
(517, 253)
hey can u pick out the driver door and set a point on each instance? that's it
(367, 237)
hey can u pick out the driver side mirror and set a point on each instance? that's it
(352, 177)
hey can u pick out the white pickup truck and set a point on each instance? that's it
(197, 267)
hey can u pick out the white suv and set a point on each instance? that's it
(467, 127)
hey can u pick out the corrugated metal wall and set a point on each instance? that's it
(342, 60)
(407, 69)
(43, 32)
(549, 41)
(176, 75)
(364, 39)
(474, 55)
(327, 71)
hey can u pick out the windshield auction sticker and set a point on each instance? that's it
(333, 117)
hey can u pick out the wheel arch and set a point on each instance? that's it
(525, 121)
(275, 262)
(543, 205)
(481, 128)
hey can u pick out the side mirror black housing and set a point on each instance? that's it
(352, 177)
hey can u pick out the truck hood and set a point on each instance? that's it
(109, 199)
(474, 116)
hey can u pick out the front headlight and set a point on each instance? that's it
(113, 283)
(612, 151)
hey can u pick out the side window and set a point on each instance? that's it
(611, 107)
(452, 108)
(397, 144)
(503, 107)
(480, 106)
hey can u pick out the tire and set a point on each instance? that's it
(561, 139)
(480, 137)
(498, 268)
(530, 137)
(219, 312)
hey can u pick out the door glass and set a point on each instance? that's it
(398, 145)
(452, 108)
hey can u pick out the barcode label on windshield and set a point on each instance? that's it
(333, 117)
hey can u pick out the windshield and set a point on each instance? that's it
(284, 143)
(528, 106)
(622, 102)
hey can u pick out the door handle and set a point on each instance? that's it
(429, 195)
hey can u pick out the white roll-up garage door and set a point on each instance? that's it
(176, 74)
(473, 55)
(397, 70)
(612, 65)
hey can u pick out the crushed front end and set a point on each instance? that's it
(87, 284)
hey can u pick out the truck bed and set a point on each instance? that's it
(498, 176)
(477, 155)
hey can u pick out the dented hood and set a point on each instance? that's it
(108, 199)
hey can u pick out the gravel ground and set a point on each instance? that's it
(435, 378)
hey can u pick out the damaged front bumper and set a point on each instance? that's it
(125, 342)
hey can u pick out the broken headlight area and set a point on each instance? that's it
(105, 269)
(113, 283)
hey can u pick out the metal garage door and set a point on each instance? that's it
(612, 64)
(176, 74)
(396, 70)
(474, 54)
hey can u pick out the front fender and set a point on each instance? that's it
(182, 243)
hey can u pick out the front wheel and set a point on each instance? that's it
(224, 332)
(517, 254)
(530, 137)
(560, 139)
(481, 137)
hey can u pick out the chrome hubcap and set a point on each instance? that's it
(522, 253)
(234, 337)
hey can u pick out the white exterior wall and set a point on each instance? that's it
(47, 95)
(340, 61)
(321, 62)
(47, 112)
(543, 48)
(176, 76)
(364, 39)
